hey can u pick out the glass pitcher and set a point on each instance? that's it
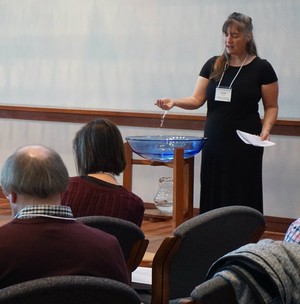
(164, 196)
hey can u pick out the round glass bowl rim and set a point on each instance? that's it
(153, 138)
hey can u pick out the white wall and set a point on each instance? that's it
(116, 54)
(281, 165)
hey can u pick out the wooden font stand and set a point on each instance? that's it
(183, 183)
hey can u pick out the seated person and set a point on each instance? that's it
(44, 239)
(264, 272)
(293, 233)
(100, 157)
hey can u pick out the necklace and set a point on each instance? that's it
(107, 174)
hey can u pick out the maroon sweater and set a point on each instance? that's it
(90, 196)
(41, 247)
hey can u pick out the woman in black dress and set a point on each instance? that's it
(233, 84)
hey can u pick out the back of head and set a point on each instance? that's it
(98, 147)
(34, 170)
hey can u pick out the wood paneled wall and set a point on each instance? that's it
(288, 127)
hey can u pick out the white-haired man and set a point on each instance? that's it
(44, 239)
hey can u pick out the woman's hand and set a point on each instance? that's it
(165, 103)
(195, 101)
(264, 135)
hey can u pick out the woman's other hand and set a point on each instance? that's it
(264, 135)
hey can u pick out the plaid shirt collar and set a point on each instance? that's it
(54, 211)
(293, 233)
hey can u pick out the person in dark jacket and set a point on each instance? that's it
(44, 239)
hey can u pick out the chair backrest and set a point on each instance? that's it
(69, 290)
(130, 236)
(182, 261)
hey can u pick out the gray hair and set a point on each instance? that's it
(34, 170)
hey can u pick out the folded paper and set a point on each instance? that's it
(254, 140)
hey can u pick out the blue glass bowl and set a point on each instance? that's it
(162, 147)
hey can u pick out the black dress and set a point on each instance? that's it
(231, 171)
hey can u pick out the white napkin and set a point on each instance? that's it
(254, 140)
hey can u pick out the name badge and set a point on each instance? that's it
(223, 94)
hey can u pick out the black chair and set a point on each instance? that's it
(130, 236)
(69, 290)
(183, 260)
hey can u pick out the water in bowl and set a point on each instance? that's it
(162, 147)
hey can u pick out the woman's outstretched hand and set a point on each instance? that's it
(165, 103)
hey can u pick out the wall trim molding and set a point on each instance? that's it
(278, 224)
(288, 127)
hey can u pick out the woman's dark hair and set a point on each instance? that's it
(245, 26)
(98, 147)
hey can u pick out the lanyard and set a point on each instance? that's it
(235, 75)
